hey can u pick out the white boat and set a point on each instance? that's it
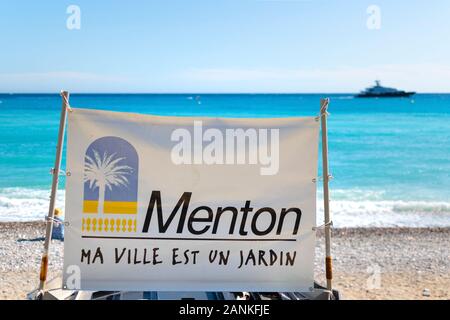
(378, 91)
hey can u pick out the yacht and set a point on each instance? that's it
(378, 91)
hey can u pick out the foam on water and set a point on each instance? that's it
(346, 213)
(23, 204)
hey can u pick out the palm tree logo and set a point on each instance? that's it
(105, 171)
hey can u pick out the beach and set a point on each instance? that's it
(389, 206)
(368, 263)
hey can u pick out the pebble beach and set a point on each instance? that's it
(368, 263)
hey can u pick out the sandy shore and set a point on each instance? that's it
(379, 263)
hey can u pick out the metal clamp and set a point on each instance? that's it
(317, 118)
(320, 178)
(47, 218)
(61, 172)
(330, 224)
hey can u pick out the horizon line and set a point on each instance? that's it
(198, 93)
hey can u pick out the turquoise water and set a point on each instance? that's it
(390, 158)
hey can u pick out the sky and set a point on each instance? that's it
(218, 46)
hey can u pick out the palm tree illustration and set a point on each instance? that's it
(105, 172)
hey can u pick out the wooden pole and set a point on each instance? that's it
(326, 196)
(51, 209)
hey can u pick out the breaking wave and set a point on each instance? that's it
(346, 213)
(23, 204)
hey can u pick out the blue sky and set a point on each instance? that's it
(224, 46)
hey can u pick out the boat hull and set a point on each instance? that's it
(385, 95)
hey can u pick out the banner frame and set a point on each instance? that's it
(324, 103)
(326, 196)
(55, 171)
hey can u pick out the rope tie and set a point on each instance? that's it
(324, 107)
(66, 102)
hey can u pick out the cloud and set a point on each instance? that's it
(55, 81)
(419, 77)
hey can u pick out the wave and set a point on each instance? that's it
(23, 204)
(369, 213)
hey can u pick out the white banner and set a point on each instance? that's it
(189, 204)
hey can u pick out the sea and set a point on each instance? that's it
(390, 158)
